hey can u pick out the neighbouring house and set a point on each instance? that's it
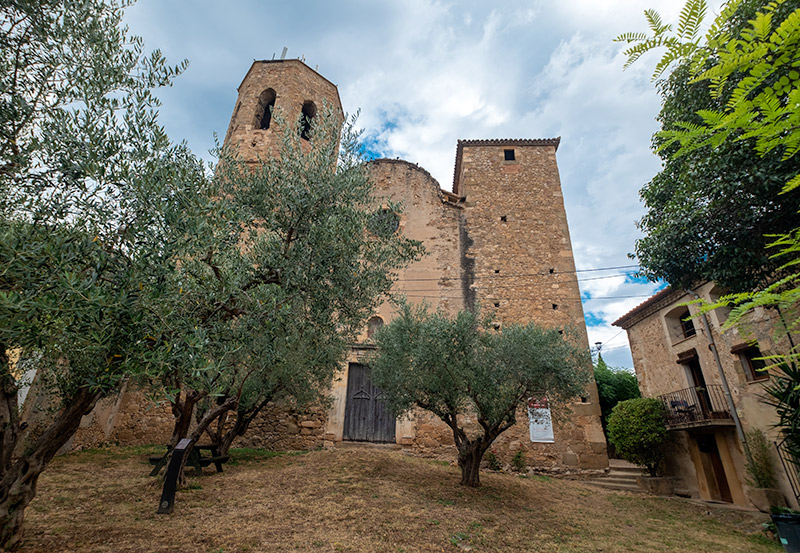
(499, 242)
(674, 360)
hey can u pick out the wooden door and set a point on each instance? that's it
(366, 418)
(713, 468)
(700, 389)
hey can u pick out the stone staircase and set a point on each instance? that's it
(621, 476)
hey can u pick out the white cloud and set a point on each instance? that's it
(427, 72)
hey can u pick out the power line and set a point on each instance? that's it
(495, 286)
(517, 275)
(600, 347)
(582, 300)
(616, 347)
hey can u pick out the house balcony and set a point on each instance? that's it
(696, 407)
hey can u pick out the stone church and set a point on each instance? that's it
(499, 241)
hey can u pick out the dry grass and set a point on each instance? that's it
(359, 500)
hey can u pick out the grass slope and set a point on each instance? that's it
(358, 500)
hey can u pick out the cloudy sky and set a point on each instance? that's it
(425, 73)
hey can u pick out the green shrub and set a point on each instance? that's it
(492, 460)
(759, 471)
(636, 429)
(518, 462)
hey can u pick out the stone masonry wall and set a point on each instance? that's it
(524, 270)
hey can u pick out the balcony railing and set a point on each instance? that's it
(699, 406)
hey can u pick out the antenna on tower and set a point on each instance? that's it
(283, 54)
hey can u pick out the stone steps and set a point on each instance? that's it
(621, 476)
(366, 445)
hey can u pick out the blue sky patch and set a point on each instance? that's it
(593, 320)
(631, 278)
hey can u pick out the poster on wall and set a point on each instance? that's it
(539, 420)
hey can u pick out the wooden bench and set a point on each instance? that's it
(196, 459)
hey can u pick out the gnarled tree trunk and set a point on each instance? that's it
(470, 455)
(182, 409)
(470, 452)
(201, 427)
(19, 478)
(9, 413)
(239, 428)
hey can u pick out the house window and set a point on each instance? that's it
(687, 327)
(679, 325)
(509, 155)
(309, 111)
(753, 367)
(266, 103)
(720, 313)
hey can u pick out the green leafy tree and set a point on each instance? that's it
(710, 208)
(90, 188)
(637, 431)
(267, 311)
(459, 369)
(613, 386)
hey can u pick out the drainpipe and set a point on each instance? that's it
(712, 345)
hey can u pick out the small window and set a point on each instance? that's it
(309, 111)
(266, 103)
(720, 313)
(509, 155)
(754, 368)
(373, 326)
(687, 327)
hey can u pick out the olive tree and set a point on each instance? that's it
(90, 193)
(459, 368)
(268, 310)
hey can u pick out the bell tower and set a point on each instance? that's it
(286, 86)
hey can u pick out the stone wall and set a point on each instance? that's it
(518, 239)
(281, 428)
(134, 418)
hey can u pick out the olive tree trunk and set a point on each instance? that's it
(201, 427)
(182, 409)
(226, 436)
(471, 451)
(19, 476)
(470, 455)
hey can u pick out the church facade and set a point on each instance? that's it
(498, 242)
